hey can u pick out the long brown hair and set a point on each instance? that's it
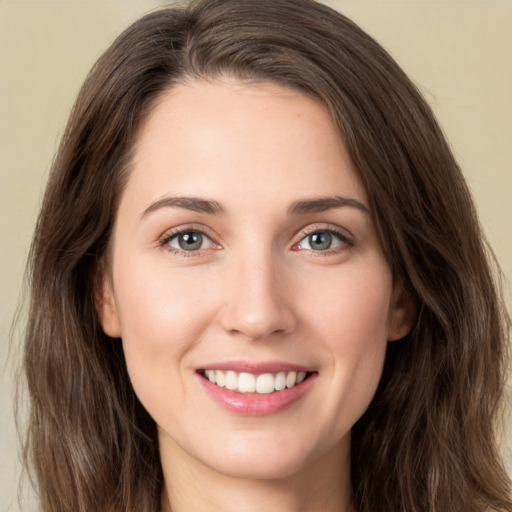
(427, 442)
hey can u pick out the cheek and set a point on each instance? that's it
(157, 303)
(354, 321)
(162, 316)
(353, 305)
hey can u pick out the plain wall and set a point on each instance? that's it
(458, 52)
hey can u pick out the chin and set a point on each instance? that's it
(261, 466)
(271, 457)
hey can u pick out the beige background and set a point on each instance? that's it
(459, 52)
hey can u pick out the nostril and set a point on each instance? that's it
(258, 325)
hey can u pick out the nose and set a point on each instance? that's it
(258, 300)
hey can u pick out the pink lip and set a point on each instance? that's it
(257, 368)
(253, 404)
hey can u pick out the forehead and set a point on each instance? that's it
(229, 138)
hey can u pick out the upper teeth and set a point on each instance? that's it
(248, 383)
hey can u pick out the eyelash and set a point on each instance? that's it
(166, 239)
(346, 241)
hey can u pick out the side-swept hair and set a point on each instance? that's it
(427, 441)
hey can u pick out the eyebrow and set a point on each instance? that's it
(321, 204)
(195, 204)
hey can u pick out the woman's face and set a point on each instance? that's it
(245, 261)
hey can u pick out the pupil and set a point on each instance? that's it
(190, 241)
(320, 241)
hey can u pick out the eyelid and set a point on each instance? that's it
(167, 236)
(344, 235)
(346, 238)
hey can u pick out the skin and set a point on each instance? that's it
(257, 290)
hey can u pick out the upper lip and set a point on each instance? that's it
(257, 367)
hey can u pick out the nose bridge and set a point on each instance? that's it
(258, 304)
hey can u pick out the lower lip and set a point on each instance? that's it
(253, 404)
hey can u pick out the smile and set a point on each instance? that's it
(262, 384)
(256, 389)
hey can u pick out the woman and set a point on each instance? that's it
(258, 281)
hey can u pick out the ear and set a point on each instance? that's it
(105, 302)
(402, 313)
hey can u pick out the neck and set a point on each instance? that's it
(190, 486)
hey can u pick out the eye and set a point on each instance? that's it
(189, 241)
(323, 240)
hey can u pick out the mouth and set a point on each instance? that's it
(256, 388)
(255, 383)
